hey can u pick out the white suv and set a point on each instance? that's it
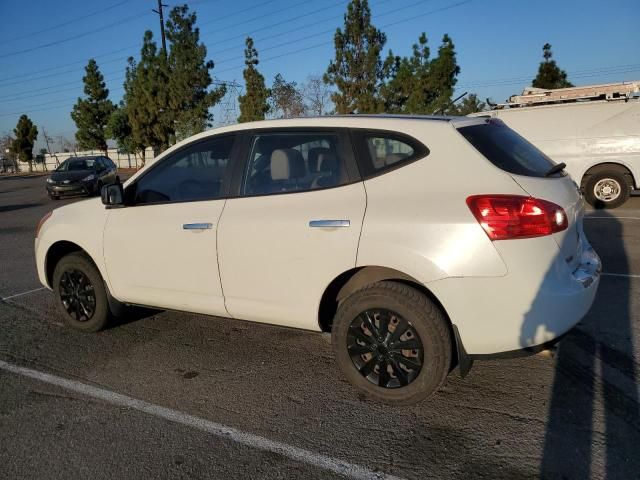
(419, 243)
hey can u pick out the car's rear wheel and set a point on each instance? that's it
(392, 343)
(54, 197)
(607, 189)
(80, 293)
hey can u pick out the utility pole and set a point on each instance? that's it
(159, 12)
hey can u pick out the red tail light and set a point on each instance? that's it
(506, 217)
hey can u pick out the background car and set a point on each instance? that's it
(81, 176)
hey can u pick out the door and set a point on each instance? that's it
(160, 249)
(293, 228)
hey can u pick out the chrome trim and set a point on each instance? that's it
(197, 226)
(329, 223)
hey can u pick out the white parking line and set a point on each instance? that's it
(23, 293)
(318, 460)
(626, 275)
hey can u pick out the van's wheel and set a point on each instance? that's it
(80, 294)
(607, 189)
(392, 343)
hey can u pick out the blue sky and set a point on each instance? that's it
(499, 43)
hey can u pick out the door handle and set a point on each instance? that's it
(329, 223)
(197, 226)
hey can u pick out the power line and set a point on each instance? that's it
(65, 103)
(291, 30)
(75, 37)
(77, 62)
(282, 22)
(318, 45)
(17, 96)
(324, 32)
(259, 17)
(233, 14)
(68, 22)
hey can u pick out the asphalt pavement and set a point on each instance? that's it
(177, 395)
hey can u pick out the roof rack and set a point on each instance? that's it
(531, 96)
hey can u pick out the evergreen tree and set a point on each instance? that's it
(25, 135)
(119, 129)
(443, 75)
(147, 98)
(92, 113)
(357, 70)
(254, 103)
(286, 99)
(470, 104)
(418, 84)
(550, 76)
(189, 97)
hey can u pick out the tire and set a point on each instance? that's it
(72, 265)
(596, 192)
(54, 197)
(413, 311)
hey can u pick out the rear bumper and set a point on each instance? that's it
(536, 303)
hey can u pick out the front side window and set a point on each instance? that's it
(290, 162)
(191, 174)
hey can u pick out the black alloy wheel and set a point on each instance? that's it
(77, 295)
(385, 348)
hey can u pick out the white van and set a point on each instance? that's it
(594, 130)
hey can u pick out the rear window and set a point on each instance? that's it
(507, 150)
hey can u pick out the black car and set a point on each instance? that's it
(81, 176)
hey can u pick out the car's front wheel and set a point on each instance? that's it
(392, 343)
(80, 293)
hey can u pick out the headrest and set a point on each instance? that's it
(394, 157)
(328, 162)
(287, 163)
(313, 158)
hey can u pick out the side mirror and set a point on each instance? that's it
(113, 195)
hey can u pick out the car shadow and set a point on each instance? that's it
(593, 426)
(18, 206)
(131, 315)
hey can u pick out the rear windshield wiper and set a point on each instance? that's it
(555, 169)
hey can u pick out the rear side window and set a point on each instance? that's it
(507, 150)
(294, 162)
(382, 151)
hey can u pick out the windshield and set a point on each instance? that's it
(507, 150)
(76, 164)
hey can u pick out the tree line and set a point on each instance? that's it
(168, 95)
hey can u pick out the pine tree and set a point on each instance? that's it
(25, 135)
(92, 113)
(286, 98)
(147, 98)
(550, 76)
(443, 74)
(254, 103)
(189, 97)
(469, 104)
(418, 84)
(357, 70)
(119, 129)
